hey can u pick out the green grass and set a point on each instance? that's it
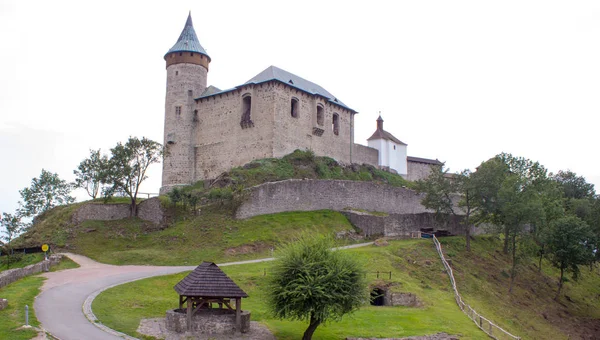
(19, 294)
(65, 263)
(414, 269)
(212, 236)
(20, 260)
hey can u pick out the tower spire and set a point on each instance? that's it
(379, 122)
(188, 40)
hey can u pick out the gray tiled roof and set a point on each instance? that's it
(382, 134)
(208, 280)
(188, 41)
(423, 160)
(275, 73)
(210, 90)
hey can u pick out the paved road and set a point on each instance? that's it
(59, 305)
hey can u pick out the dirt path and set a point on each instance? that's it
(67, 295)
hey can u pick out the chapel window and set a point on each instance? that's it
(294, 108)
(335, 124)
(320, 115)
(246, 111)
(178, 110)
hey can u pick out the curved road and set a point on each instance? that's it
(59, 305)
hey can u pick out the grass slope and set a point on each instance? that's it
(414, 267)
(19, 294)
(529, 312)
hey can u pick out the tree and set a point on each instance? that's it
(310, 281)
(90, 172)
(45, 192)
(569, 245)
(574, 186)
(127, 166)
(450, 196)
(11, 226)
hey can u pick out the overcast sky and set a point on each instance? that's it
(459, 81)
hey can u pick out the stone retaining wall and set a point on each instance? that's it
(9, 276)
(148, 210)
(308, 195)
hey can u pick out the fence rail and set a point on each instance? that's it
(491, 329)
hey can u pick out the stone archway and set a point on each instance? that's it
(378, 297)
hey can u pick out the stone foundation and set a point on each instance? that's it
(207, 321)
(401, 299)
(12, 275)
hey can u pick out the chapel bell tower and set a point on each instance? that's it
(187, 70)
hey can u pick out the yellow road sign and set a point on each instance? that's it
(44, 247)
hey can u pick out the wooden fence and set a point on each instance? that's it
(491, 329)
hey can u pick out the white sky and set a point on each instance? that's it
(457, 80)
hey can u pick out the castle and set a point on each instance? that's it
(209, 130)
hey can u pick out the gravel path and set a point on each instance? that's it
(67, 295)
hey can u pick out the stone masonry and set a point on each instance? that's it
(9, 276)
(148, 210)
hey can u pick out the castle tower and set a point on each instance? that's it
(187, 70)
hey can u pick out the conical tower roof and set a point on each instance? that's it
(188, 40)
(208, 280)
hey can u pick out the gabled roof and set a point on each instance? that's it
(382, 134)
(290, 79)
(210, 91)
(208, 280)
(188, 41)
(275, 73)
(423, 160)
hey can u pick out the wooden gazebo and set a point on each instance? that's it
(206, 285)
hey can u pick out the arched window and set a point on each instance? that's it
(335, 124)
(246, 111)
(294, 108)
(320, 115)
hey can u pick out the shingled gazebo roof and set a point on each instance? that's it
(208, 280)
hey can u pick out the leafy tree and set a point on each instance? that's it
(450, 196)
(312, 282)
(11, 226)
(127, 166)
(574, 186)
(569, 242)
(90, 172)
(45, 192)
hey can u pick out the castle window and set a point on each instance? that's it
(294, 108)
(335, 124)
(180, 54)
(176, 73)
(178, 110)
(246, 111)
(394, 147)
(320, 115)
(192, 54)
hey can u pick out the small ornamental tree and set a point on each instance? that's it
(127, 166)
(89, 173)
(312, 282)
(45, 193)
(570, 244)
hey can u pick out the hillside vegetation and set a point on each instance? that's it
(529, 312)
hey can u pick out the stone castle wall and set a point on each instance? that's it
(148, 210)
(418, 171)
(221, 142)
(365, 155)
(309, 195)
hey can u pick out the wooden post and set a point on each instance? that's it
(180, 301)
(189, 314)
(238, 314)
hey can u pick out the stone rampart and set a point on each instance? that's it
(365, 155)
(9, 276)
(309, 195)
(148, 210)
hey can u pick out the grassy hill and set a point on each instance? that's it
(529, 312)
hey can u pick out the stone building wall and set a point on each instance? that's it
(9, 276)
(148, 210)
(308, 195)
(222, 143)
(364, 155)
(418, 171)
